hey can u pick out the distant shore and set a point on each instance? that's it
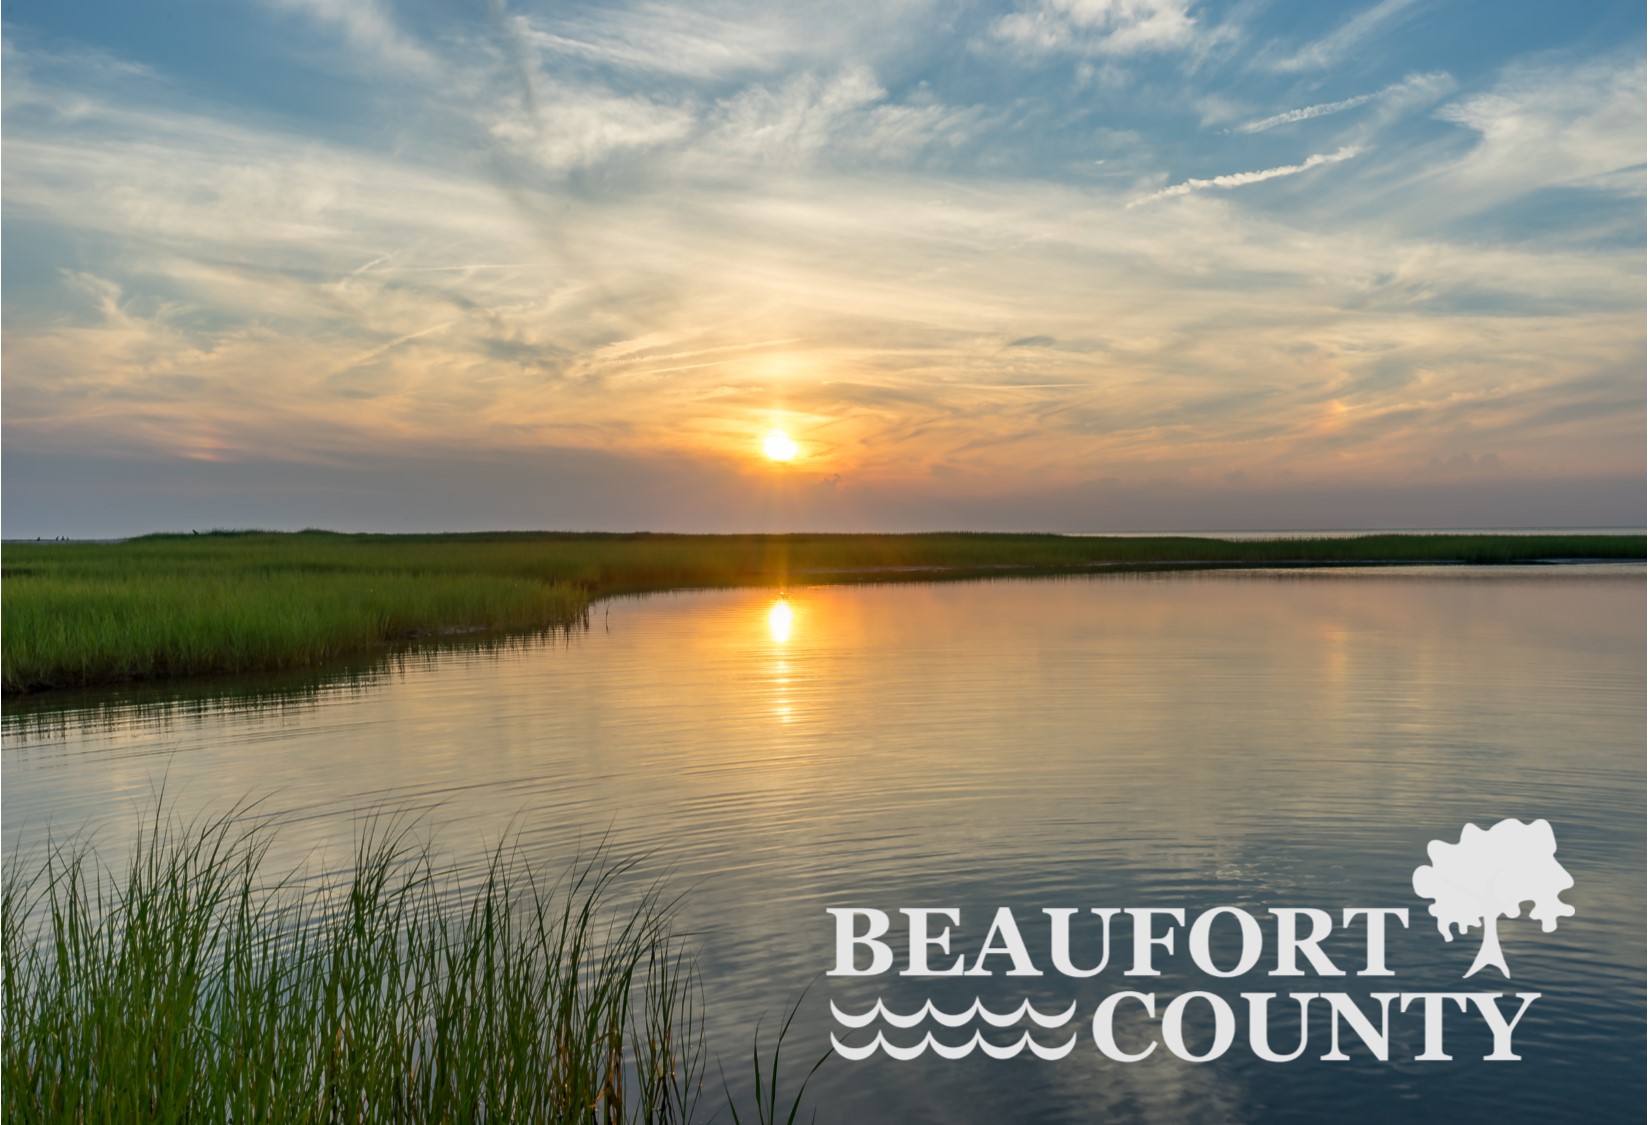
(170, 606)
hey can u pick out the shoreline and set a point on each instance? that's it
(164, 608)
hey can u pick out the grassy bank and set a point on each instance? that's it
(194, 985)
(169, 605)
(188, 988)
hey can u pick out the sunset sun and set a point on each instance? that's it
(778, 446)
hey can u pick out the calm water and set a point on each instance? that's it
(1249, 739)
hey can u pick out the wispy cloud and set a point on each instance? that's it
(1332, 48)
(573, 127)
(1557, 125)
(1241, 179)
(368, 28)
(891, 305)
(619, 229)
(667, 40)
(1414, 91)
(678, 39)
(1100, 27)
(1305, 113)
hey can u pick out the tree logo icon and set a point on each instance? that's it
(1491, 874)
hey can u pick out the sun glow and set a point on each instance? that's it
(779, 446)
(779, 621)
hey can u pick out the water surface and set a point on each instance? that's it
(1237, 738)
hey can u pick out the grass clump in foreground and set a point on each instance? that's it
(167, 605)
(192, 989)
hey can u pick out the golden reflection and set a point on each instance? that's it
(779, 621)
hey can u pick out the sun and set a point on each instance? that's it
(779, 446)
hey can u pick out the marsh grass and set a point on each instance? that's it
(767, 1106)
(191, 987)
(76, 630)
(166, 606)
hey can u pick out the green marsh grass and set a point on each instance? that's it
(164, 606)
(767, 1106)
(193, 987)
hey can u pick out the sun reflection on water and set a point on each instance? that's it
(781, 618)
(779, 621)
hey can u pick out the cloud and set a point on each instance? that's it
(843, 115)
(1581, 126)
(1306, 113)
(720, 42)
(1100, 27)
(669, 40)
(1240, 179)
(795, 120)
(574, 251)
(1354, 33)
(1416, 89)
(320, 300)
(368, 28)
(577, 127)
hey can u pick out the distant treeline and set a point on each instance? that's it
(77, 614)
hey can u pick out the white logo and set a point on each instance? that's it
(1489, 875)
(1484, 877)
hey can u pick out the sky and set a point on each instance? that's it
(1066, 265)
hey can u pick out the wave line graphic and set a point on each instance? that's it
(948, 1019)
(946, 1051)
